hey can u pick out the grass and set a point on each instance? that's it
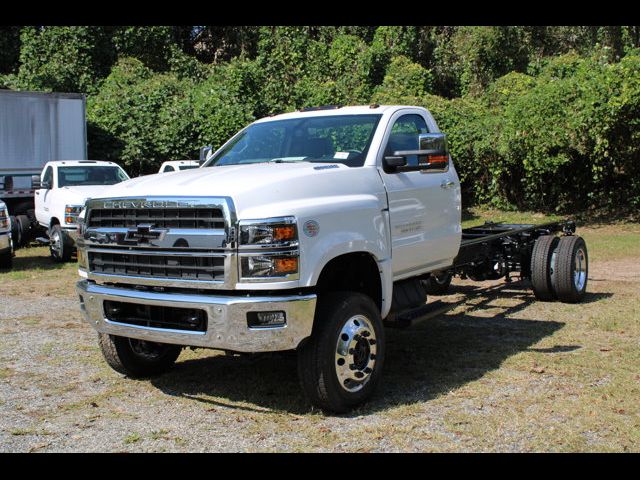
(132, 438)
(497, 371)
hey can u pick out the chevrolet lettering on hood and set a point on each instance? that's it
(149, 204)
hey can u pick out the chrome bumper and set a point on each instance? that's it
(5, 241)
(227, 327)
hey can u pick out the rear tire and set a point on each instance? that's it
(541, 268)
(571, 269)
(24, 224)
(16, 232)
(340, 365)
(137, 358)
(438, 284)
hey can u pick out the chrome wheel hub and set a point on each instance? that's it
(355, 357)
(580, 271)
(56, 244)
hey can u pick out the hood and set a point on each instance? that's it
(252, 187)
(77, 195)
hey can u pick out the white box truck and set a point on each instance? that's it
(35, 128)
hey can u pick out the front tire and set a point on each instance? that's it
(137, 358)
(340, 365)
(59, 245)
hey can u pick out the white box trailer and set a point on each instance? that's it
(36, 128)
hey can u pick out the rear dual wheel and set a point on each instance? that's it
(559, 268)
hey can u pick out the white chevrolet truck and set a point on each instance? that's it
(307, 231)
(60, 194)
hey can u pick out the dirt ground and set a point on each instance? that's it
(489, 369)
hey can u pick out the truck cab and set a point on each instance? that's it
(61, 191)
(178, 165)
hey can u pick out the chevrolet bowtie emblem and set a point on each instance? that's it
(143, 233)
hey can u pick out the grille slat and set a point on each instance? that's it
(193, 218)
(163, 266)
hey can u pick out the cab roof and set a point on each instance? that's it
(75, 163)
(336, 110)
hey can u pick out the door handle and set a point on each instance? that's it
(447, 184)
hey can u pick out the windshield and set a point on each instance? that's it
(333, 139)
(90, 175)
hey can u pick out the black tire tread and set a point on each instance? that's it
(564, 269)
(543, 249)
(24, 224)
(67, 247)
(316, 382)
(117, 352)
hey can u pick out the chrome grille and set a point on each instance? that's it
(192, 218)
(169, 265)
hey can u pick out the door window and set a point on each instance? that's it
(404, 136)
(48, 176)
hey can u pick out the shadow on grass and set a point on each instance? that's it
(427, 360)
(36, 263)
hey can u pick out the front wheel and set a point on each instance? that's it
(59, 245)
(137, 358)
(341, 363)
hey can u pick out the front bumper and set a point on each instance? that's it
(227, 327)
(5, 242)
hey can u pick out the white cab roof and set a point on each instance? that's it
(84, 163)
(352, 110)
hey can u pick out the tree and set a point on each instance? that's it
(64, 59)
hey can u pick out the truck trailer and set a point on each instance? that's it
(35, 128)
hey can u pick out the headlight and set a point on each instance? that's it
(5, 222)
(269, 266)
(256, 236)
(71, 213)
(272, 232)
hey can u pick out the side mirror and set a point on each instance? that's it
(205, 153)
(394, 161)
(35, 182)
(432, 155)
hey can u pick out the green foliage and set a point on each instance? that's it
(403, 79)
(63, 59)
(152, 45)
(543, 118)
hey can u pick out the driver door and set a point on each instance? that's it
(43, 198)
(424, 206)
